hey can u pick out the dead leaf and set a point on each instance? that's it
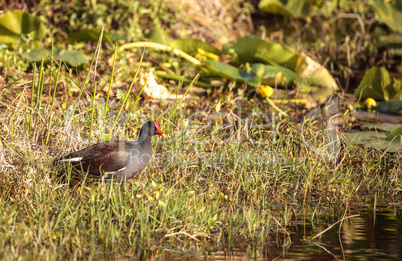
(153, 90)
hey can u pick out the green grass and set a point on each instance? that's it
(214, 181)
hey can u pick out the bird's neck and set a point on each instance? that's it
(144, 138)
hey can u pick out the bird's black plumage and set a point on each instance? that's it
(117, 159)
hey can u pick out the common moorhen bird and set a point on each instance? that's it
(117, 159)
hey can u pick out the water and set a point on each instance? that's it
(373, 235)
(370, 236)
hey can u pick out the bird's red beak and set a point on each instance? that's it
(158, 129)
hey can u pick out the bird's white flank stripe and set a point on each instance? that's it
(115, 172)
(72, 159)
(123, 168)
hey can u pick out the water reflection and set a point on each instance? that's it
(370, 236)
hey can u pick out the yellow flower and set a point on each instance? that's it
(266, 91)
(370, 103)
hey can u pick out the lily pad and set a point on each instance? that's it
(116, 36)
(231, 72)
(393, 106)
(288, 8)
(379, 135)
(388, 13)
(36, 55)
(388, 127)
(318, 94)
(90, 35)
(316, 74)
(158, 35)
(73, 58)
(319, 84)
(377, 117)
(191, 46)
(275, 74)
(253, 49)
(377, 140)
(375, 84)
(395, 133)
(20, 27)
(394, 40)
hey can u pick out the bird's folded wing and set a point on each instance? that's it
(102, 157)
(111, 162)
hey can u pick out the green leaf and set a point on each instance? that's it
(158, 35)
(320, 83)
(315, 74)
(254, 49)
(395, 51)
(275, 74)
(90, 35)
(73, 58)
(394, 133)
(375, 84)
(288, 8)
(374, 139)
(393, 106)
(116, 36)
(36, 55)
(319, 94)
(191, 46)
(377, 117)
(389, 14)
(393, 39)
(20, 27)
(388, 127)
(285, 67)
(230, 72)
